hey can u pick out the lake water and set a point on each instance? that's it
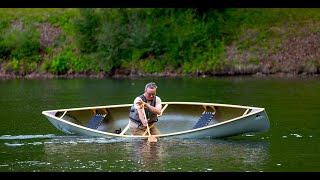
(28, 142)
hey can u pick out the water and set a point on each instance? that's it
(29, 143)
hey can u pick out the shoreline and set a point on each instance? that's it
(8, 76)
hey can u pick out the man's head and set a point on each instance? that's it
(150, 90)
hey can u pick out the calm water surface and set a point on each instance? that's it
(28, 142)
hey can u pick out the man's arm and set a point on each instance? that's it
(157, 108)
(138, 106)
(141, 117)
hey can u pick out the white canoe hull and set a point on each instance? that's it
(254, 122)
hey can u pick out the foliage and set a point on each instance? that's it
(87, 26)
(59, 63)
(188, 40)
(20, 44)
(12, 66)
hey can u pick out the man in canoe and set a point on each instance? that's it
(147, 105)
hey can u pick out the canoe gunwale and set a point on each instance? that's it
(182, 103)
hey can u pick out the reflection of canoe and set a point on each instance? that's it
(179, 119)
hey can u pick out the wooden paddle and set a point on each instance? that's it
(164, 108)
(151, 138)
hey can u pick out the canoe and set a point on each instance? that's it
(177, 119)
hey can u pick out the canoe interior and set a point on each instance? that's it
(176, 117)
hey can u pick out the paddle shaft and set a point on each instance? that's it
(144, 114)
(164, 108)
(150, 138)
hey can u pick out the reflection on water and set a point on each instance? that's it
(150, 156)
(99, 154)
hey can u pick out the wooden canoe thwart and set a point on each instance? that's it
(178, 119)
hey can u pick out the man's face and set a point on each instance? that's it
(150, 93)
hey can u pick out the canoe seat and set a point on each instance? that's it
(96, 120)
(204, 120)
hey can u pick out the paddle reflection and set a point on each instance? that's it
(148, 155)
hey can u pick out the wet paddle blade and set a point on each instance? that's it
(152, 139)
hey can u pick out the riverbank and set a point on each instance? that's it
(7, 76)
(100, 43)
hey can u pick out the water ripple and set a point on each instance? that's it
(6, 137)
(296, 135)
(14, 144)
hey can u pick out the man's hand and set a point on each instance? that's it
(141, 104)
(144, 122)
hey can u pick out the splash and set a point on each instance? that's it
(9, 137)
(14, 144)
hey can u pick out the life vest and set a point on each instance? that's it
(152, 117)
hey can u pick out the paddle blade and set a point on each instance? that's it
(152, 139)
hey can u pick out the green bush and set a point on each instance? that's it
(21, 44)
(151, 66)
(59, 63)
(4, 49)
(87, 29)
(12, 66)
(27, 67)
(45, 66)
(216, 56)
(78, 64)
